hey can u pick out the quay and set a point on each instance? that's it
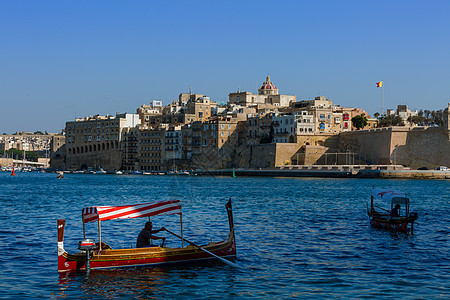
(335, 171)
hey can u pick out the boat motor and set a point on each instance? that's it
(413, 216)
(87, 245)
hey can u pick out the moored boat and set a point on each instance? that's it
(395, 219)
(101, 256)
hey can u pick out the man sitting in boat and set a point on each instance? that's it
(395, 212)
(146, 234)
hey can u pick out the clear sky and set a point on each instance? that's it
(65, 59)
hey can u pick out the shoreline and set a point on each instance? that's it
(383, 174)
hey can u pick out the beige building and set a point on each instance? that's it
(173, 144)
(268, 93)
(328, 118)
(214, 142)
(189, 108)
(58, 152)
(151, 148)
(403, 112)
(26, 141)
(94, 142)
(259, 129)
(129, 147)
(146, 112)
(186, 145)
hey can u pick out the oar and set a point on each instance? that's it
(210, 253)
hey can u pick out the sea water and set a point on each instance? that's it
(296, 238)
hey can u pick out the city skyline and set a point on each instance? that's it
(66, 60)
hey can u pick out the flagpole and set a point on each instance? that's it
(382, 106)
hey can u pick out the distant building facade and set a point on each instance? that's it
(94, 142)
(268, 93)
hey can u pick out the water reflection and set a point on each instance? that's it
(141, 283)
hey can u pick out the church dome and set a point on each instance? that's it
(268, 87)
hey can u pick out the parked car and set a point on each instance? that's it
(442, 168)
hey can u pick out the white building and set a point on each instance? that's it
(287, 127)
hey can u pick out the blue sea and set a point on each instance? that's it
(296, 238)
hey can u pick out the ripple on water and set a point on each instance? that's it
(296, 238)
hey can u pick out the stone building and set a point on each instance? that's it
(151, 148)
(328, 118)
(26, 141)
(214, 142)
(173, 143)
(58, 152)
(94, 142)
(189, 108)
(129, 147)
(148, 112)
(268, 93)
(403, 112)
(286, 127)
(186, 145)
(259, 129)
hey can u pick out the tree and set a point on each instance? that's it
(390, 120)
(376, 115)
(419, 120)
(359, 121)
(18, 154)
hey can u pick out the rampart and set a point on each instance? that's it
(415, 147)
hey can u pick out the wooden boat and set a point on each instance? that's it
(386, 219)
(101, 256)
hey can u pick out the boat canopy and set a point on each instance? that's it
(390, 196)
(102, 213)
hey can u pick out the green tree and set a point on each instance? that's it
(390, 120)
(359, 121)
(18, 154)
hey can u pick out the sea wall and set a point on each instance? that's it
(412, 147)
(108, 160)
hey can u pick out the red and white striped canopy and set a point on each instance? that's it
(102, 213)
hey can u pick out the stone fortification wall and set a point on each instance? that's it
(412, 147)
(372, 145)
(428, 147)
(268, 155)
(108, 160)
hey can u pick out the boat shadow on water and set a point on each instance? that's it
(148, 282)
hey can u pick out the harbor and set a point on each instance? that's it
(343, 171)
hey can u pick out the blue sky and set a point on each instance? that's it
(65, 59)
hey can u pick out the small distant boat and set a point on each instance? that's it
(102, 256)
(60, 175)
(100, 172)
(184, 173)
(386, 219)
(119, 172)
